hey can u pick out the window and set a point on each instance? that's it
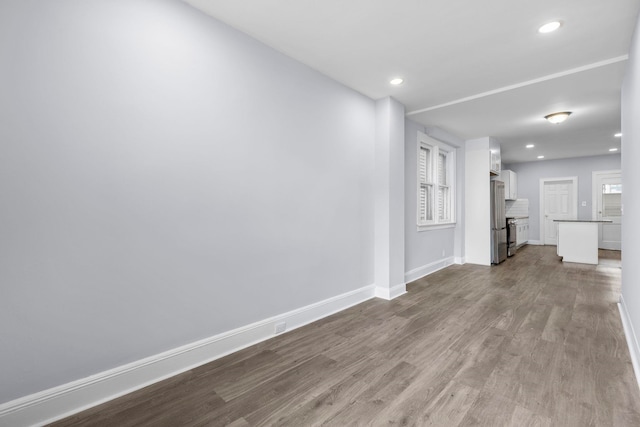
(436, 183)
(611, 188)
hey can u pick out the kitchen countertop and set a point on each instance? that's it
(518, 217)
(582, 220)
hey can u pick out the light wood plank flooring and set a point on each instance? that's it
(531, 342)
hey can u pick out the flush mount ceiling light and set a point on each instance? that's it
(397, 81)
(530, 146)
(613, 149)
(558, 117)
(618, 135)
(541, 157)
(550, 27)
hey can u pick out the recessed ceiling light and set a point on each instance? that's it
(397, 81)
(530, 145)
(550, 27)
(618, 135)
(558, 117)
(613, 149)
(541, 157)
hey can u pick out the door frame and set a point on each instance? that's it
(594, 200)
(594, 190)
(574, 191)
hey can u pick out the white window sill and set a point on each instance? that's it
(436, 226)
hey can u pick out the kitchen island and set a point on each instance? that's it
(578, 240)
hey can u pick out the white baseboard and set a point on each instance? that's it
(59, 402)
(632, 340)
(535, 242)
(427, 269)
(460, 260)
(391, 293)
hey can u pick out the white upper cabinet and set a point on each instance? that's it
(510, 179)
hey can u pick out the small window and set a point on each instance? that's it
(436, 184)
(611, 188)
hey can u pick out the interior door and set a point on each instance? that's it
(608, 206)
(558, 204)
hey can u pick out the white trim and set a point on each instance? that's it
(425, 270)
(56, 403)
(632, 340)
(391, 293)
(524, 84)
(574, 191)
(460, 260)
(429, 227)
(535, 242)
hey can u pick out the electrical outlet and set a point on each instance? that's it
(443, 252)
(281, 327)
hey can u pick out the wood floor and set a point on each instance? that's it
(531, 342)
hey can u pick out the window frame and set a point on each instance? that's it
(436, 148)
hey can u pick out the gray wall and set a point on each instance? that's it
(164, 178)
(425, 247)
(631, 187)
(529, 175)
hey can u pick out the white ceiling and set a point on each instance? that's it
(472, 68)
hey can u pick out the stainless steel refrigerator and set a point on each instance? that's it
(498, 223)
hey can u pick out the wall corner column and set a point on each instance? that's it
(389, 199)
